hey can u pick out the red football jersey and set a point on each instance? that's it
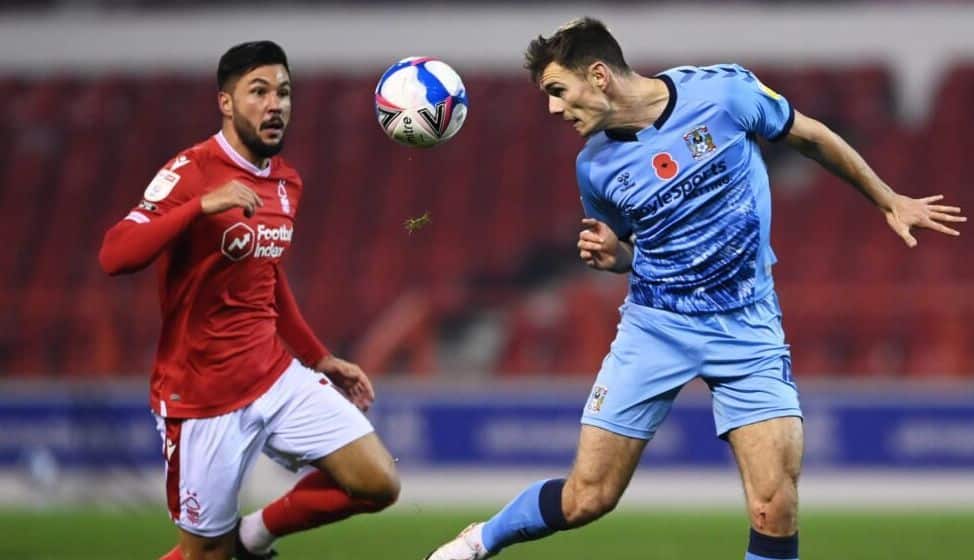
(219, 280)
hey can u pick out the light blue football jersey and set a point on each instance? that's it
(692, 191)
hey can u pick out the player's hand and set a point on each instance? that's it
(350, 379)
(231, 195)
(906, 213)
(597, 245)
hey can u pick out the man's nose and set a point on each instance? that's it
(555, 105)
(275, 103)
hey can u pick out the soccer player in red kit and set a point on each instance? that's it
(238, 371)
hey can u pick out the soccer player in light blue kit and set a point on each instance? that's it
(676, 194)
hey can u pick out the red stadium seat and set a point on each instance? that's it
(502, 199)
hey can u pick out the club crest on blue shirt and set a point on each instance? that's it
(700, 142)
(598, 397)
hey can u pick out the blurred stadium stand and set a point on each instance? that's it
(492, 286)
(483, 329)
(496, 268)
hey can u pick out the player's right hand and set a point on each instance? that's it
(350, 378)
(597, 244)
(231, 195)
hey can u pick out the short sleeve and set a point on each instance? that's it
(756, 107)
(596, 206)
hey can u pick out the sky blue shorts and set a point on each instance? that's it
(740, 354)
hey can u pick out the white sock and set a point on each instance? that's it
(476, 537)
(254, 534)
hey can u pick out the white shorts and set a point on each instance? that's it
(301, 418)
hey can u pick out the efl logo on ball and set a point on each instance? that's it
(420, 102)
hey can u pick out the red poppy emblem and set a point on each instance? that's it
(665, 166)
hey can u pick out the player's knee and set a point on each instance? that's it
(387, 492)
(382, 490)
(774, 511)
(586, 503)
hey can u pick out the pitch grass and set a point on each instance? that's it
(408, 533)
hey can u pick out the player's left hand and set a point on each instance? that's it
(906, 213)
(350, 379)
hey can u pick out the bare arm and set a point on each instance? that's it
(818, 142)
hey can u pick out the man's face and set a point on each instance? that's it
(575, 97)
(261, 108)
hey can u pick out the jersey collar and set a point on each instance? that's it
(632, 136)
(238, 159)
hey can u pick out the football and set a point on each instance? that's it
(420, 102)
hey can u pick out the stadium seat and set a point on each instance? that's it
(504, 208)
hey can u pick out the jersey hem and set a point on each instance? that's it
(176, 410)
(758, 296)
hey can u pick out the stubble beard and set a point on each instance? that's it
(251, 139)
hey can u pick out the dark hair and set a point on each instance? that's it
(244, 57)
(575, 45)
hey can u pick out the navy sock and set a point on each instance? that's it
(533, 514)
(765, 547)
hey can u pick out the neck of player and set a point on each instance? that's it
(636, 102)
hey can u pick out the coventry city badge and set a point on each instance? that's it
(700, 142)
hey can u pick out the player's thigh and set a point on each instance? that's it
(311, 422)
(769, 456)
(206, 461)
(363, 466)
(603, 467)
(606, 458)
(653, 355)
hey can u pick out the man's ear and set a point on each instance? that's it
(599, 75)
(225, 101)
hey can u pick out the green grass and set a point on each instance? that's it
(408, 533)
